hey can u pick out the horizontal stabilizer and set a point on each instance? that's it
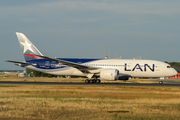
(22, 64)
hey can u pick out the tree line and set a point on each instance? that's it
(173, 64)
(39, 74)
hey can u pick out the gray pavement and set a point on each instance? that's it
(175, 84)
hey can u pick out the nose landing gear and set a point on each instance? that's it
(160, 82)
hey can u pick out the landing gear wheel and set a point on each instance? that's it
(90, 81)
(94, 81)
(86, 81)
(98, 81)
(160, 82)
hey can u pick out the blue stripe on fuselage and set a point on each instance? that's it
(47, 64)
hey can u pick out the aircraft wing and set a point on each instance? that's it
(23, 64)
(80, 67)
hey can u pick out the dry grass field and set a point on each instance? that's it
(13, 77)
(88, 102)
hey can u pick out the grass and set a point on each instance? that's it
(89, 102)
(8, 85)
(13, 77)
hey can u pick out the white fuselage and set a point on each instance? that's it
(133, 68)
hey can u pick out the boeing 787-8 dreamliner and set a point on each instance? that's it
(94, 69)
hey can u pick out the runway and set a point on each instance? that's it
(90, 84)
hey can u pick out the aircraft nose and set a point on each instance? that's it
(171, 72)
(174, 72)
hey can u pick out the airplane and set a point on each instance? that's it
(94, 69)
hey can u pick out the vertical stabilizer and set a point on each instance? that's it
(27, 47)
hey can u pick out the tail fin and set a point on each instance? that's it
(27, 47)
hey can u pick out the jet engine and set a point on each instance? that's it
(109, 74)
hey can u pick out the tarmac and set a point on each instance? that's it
(168, 83)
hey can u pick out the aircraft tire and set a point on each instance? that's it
(86, 81)
(94, 81)
(90, 81)
(160, 82)
(98, 81)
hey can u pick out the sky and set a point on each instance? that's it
(85, 28)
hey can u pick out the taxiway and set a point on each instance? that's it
(90, 84)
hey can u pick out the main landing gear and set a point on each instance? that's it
(93, 81)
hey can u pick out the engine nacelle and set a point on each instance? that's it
(109, 74)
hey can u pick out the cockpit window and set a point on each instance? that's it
(168, 66)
